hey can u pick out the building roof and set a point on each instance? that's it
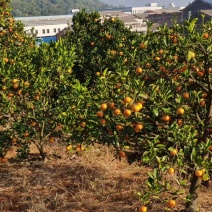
(208, 2)
(207, 12)
(45, 20)
(141, 15)
(128, 19)
(165, 11)
(112, 13)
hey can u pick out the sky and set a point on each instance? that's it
(137, 3)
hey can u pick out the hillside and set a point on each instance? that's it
(53, 7)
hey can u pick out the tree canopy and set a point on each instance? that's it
(53, 7)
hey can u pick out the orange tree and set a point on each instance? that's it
(159, 104)
(37, 84)
(15, 50)
(100, 42)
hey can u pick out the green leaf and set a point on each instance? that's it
(155, 111)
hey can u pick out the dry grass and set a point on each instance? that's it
(92, 181)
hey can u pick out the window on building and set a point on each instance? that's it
(36, 31)
(55, 30)
(47, 30)
(44, 31)
(58, 29)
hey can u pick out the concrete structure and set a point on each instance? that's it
(166, 16)
(45, 26)
(195, 7)
(135, 10)
(136, 24)
(206, 13)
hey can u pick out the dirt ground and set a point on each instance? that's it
(94, 181)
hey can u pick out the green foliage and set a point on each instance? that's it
(76, 89)
(53, 7)
(101, 44)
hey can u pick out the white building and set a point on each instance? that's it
(45, 26)
(137, 10)
(50, 26)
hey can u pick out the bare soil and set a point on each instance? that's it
(92, 181)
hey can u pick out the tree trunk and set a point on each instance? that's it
(192, 205)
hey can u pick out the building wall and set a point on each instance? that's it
(165, 18)
(136, 10)
(46, 30)
(194, 7)
(199, 16)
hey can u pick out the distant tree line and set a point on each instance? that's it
(53, 7)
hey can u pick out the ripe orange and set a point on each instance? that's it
(175, 57)
(206, 35)
(203, 171)
(15, 81)
(15, 85)
(143, 209)
(174, 40)
(171, 203)
(142, 45)
(136, 108)
(180, 111)
(140, 105)
(26, 84)
(103, 106)
(14, 140)
(118, 85)
(6, 60)
(186, 95)
(100, 114)
(166, 118)
(160, 51)
(193, 55)
(157, 58)
(10, 94)
(200, 73)
(102, 121)
(127, 99)
(204, 95)
(202, 102)
(69, 147)
(173, 152)
(83, 124)
(122, 154)
(119, 127)
(139, 127)
(33, 124)
(26, 134)
(112, 19)
(210, 148)
(98, 74)
(51, 139)
(37, 97)
(171, 170)
(198, 173)
(139, 70)
(78, 149)
(19, 92)
(127, 112)
(112, 105)
(117, 112)
(180, 122)
(4, 88)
